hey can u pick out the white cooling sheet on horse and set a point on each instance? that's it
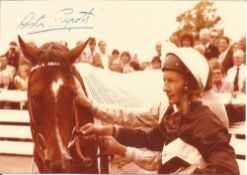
(134, 90)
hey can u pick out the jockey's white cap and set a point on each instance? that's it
(194, 61)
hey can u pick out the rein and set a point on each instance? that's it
(86, 161)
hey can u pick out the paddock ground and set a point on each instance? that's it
(22, 164)
(15, 164)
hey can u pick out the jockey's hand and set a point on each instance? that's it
(90, 129)
(110, 146)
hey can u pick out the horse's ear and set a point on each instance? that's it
(75, 52)
(28, 50)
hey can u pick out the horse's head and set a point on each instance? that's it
(53, 84)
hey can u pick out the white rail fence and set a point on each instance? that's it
(15, 133)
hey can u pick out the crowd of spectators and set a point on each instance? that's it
(226, 59)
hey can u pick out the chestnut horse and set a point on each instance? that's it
(54, 118)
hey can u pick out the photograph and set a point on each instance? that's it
(122, 87)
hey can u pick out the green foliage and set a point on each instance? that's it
(202, 15)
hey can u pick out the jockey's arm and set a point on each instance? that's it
(134, 139)
(146, 159)
(126, 117)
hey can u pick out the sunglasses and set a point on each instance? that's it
(214, 36)
(217, 73)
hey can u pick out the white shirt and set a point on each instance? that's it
(10, 70)
(213, 101)
(231, 73)
(222, 55)
(105, 60)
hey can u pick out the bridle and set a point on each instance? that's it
(87, 161)
(75, 140)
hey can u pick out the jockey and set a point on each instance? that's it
(186, 124)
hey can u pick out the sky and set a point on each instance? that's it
(134, 26)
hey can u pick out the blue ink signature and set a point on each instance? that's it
(29, 21)
(65, 19)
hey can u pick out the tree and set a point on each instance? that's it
(202, 15)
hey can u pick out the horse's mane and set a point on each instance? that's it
(54, 52)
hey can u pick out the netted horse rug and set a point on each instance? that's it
(137, 89)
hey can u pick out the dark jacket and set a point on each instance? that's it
(211, 52)
(199, 128)
(227, 63)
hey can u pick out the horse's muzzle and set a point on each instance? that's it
(58, 166)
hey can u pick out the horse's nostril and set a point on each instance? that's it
(66, 165)
(47, 163)
(69, 164)
(70, 161)
(87, 162)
